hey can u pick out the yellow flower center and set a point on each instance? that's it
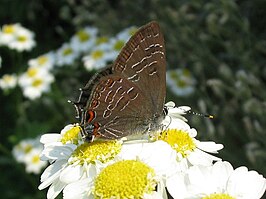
(83, 36)
(31, 72)
(218, 196)
(186, 73)
(179, 140)
(97, 54)
(71, 135)
(42, 60)
(22, 38)
(8, 78)
(174, 75)
(27, 148)
(35, 159)
(118, 45)
(98, 150)
(181, 83)
(8, 29)
(125, 179)
(132, 31)
(101, 40)
(67, 51)
(37, 82)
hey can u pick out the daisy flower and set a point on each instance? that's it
(84, 39)
(97, 58)
(189, 150)
(33, 162)
(45, 61)
(127, 33)
(23, 40)
(8, 81)
(102, 42)
(117, 43)
(66, 55)
(139, 172)
(7, 34)
(72, 160)
(217, 181)
(27, 152)
(180, 81)
(35, 81)
(24, 147)
(106, 49)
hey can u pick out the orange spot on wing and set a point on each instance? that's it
(91, 116)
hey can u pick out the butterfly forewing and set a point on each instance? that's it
(128, 97)
(142, 61)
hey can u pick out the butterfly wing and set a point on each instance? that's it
(142, 61)
(128, 97)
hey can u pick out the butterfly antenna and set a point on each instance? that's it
(76, 108)
(200, 114)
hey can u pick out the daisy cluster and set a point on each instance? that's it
(171, 160)
(16, 37)
(28, 152)
(95, 52)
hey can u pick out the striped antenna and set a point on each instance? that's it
(200, 114)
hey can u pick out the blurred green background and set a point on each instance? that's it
(221, 42)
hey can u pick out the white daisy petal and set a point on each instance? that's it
(176, 186)
(239, 184)
(80, 188)
(210, 147)
(164, 154)
(59, 151)
(51, 137)
(71, 174)
(199, 157)
(51, 173)
(55, 189)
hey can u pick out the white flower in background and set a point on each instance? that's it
(189, 151)
(35, 81)
(22, 39)
(217, 181)
(7, 34)
(127, 33)
(97, 58)
(180, 81)
(102, 42)
(8, 81)
(84, 39)
(33, 162)
(116, 44)
(141, 168)
(45, 61)
(27, 151)
(66, 55)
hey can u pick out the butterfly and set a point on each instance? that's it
(127, 97)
